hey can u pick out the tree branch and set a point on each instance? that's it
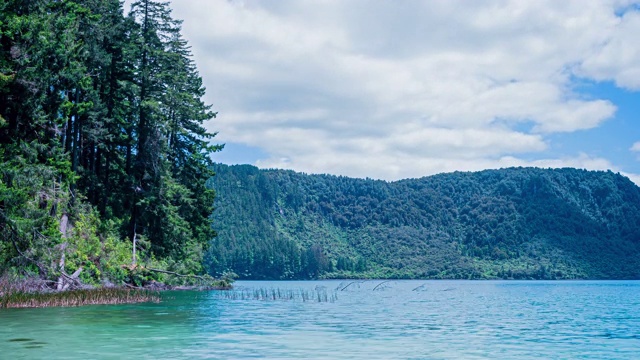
(179, 275)
(13, 235)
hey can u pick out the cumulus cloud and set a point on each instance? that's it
(619, 58)
(633, 177)
(405, 89)
(635, 147)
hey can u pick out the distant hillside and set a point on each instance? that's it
(517, 223)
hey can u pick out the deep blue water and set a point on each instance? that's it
(397, 320)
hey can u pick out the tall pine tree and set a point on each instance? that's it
(100, 113)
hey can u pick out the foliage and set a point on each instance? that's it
(518, 223)
(101, 123)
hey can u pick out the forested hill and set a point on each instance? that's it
(517, 223)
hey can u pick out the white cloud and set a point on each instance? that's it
(633, 177)
(619, 57)
(635, 147)
(407, 167)
(405, 89)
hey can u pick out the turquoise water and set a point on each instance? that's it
(397, 320)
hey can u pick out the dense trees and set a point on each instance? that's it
(101, 123)
(511, 223)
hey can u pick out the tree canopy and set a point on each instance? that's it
(518, 223)
(101, 128)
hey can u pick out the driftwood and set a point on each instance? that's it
(13, 284)
(179, 275)
(65, 281)
(133, 287)
(160, 286)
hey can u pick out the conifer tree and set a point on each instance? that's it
(102, 112)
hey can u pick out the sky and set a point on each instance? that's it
(403, 89)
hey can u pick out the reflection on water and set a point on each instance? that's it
(367, 320)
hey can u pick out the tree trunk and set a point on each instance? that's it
(64, 224)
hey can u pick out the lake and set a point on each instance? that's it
(345, 320)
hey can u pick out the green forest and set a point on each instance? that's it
(102, 145)
(517, 223)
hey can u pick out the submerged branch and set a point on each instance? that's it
(386, 281)
(351, 283)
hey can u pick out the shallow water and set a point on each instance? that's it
(397, 320)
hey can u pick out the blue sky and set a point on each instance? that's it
(393, 90)
(614, 138)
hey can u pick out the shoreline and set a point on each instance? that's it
(35, 293)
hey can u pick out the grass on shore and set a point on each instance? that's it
(32, 292)
(100, 296)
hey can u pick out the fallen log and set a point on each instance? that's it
(180, 275)
(67, 280)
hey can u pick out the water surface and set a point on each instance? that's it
(397, 320)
